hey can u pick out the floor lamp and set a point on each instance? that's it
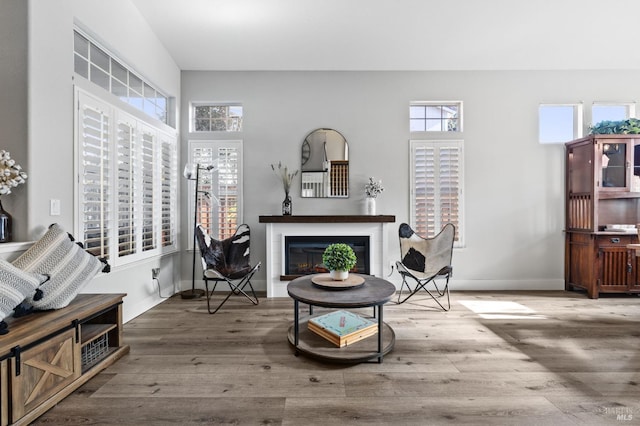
(192, 172)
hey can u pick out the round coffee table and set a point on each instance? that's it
(375, 292)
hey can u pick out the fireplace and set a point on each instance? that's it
(279, 228)
(303, 253)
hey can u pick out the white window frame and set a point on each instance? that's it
(440, 104)
(147, 98)
(577, 124)
(630, 108)
(438, 220)
(192, 116)
(160, 196)
(216, 197)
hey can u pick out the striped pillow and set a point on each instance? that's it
(15, 286)
(67, 264)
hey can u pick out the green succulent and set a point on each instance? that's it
(339, 257)
(621, 127)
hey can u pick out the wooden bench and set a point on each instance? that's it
(47, 355)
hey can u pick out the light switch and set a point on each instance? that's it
(54, 207)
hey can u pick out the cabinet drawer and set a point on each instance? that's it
(42, 371)
(616, 240)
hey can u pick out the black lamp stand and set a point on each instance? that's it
(194, 292)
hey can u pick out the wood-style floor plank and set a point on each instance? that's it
(498, 358)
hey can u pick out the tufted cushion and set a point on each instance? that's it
(15, 286)
(67, 264)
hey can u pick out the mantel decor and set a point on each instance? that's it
(287, 178)
(372, 189)
(11, 175)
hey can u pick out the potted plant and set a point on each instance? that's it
(339, 258)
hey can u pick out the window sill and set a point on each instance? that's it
(14, 247)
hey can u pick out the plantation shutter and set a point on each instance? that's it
(146, 195)
(436, 186)
(228, 175)
(219, 191)
(168, 177)
(95, 170)
(126, 148)
(204, 156)
(127, 183)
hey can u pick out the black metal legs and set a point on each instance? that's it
(236, 289)
(422, 285)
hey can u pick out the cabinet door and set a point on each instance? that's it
(43, 371)
(634, 261)
(635, 161)
(4, 392)
(580, 168)
(614, 271)
(614, 158)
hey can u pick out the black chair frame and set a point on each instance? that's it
(236, 288)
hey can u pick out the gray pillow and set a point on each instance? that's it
(67, 264)
(15, 286)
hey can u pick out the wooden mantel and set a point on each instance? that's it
(328, 219)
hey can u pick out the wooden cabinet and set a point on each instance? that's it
(47, 355)
(602, 189)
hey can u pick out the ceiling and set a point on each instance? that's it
(396, 34)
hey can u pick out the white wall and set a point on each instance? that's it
(13, 102)
(118, 25)
(514, 211)
(513, 185)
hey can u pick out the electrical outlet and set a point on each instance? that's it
(154, 273)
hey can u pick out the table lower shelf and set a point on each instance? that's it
(311, 344)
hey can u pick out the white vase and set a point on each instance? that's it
(370, 206)
(339, 275)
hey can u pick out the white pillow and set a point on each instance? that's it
(15, 286)
(68, 265)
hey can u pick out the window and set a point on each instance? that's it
(601, 111)
(127, 183)
(559, 123)
(435, 117)
(436, 187)
(219, 196)
(96, 171)
(217, 118)
(101, 68)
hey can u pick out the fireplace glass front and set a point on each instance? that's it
(303, 254)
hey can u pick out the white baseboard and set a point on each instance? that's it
(505, 285)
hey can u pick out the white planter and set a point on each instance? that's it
(370, 206)
(339, 275)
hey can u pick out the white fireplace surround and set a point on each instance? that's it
(277, 227)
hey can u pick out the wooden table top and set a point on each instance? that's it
(375, 291)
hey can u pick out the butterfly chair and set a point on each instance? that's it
(424, 260)
(228, 261)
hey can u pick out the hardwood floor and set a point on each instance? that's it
(513, 358)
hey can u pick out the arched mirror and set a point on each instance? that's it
(325, 165)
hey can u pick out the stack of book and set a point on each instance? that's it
(342, 328)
